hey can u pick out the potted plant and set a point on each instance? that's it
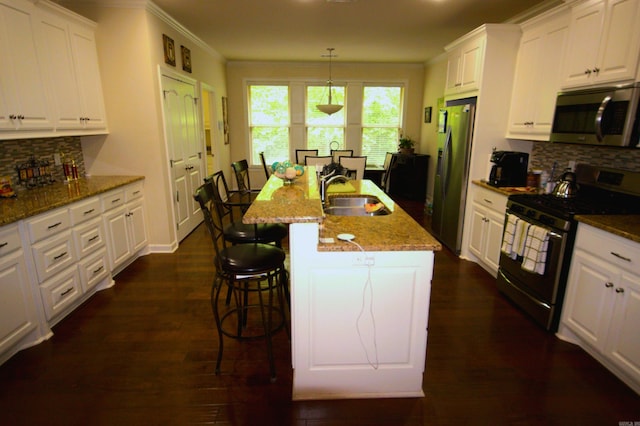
(405, 145)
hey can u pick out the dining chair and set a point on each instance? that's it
(389, 162)
(251, 272)
(355, 165)
(318, 161)
(337, 153)
(267, 174)
(302, 153)
(241, 170)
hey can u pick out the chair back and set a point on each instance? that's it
(337, 153)
(211, 207)
(267, 174)
(389, 162)
(223, 194)
(355, 165)
(241, 169)
(318, 161)
(302, 153)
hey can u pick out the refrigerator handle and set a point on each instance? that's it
(445, 163)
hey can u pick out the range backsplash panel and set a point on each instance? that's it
(19, 151)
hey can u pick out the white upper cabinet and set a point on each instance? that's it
(604, 43)
(538, 77)
(464, 66)
(23, 96)
(49, 76)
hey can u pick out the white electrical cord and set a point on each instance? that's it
(367, 286)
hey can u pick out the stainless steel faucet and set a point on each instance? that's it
(325, 181)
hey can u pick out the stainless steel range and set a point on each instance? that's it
(535, 224)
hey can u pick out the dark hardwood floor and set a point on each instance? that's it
(143, 353)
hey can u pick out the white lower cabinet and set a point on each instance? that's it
(601, 312)
(487, 225)
(60, 292)
(125, 225)
(18, 316)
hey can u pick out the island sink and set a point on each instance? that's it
(355, 206)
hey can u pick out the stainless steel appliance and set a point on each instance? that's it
(598, 116)
(602, 191)
(455, 129)
(509, 168)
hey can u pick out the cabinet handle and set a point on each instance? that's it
(98, 270)
(21, 117)
(4, 244)
(488, 201)
(608, 285)
(587, 72)
(54, 225)
(93, 238)
(620, 290)
(619, 256)
(89, 211)
(596, 70)
(12, 116)
(136, 192)
(60, 256)
(458, 84)
(67, 291)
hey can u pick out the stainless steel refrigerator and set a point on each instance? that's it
(455, 130)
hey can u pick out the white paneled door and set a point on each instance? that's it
(184, 144)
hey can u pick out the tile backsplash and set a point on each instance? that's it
(19, 151)
(544, 154)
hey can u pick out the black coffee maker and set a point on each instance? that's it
(509, 168)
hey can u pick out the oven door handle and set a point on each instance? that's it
(599, 114)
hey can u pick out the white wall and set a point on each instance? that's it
(130, 49)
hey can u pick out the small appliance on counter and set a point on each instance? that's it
(509, 168)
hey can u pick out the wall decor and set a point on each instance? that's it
(225, 120)
(169, 50)
(186, 59)
(427, 115)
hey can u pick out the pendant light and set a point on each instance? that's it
(329, 108)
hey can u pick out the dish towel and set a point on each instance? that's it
(340, 187)
(535, 251)
(522, 226)
(509, 234)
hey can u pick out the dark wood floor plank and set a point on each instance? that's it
(143, 353)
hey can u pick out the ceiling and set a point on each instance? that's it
(398, 31)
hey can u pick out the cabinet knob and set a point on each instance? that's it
(608, 285)
(587, 71)
(596, 70)
(619, 290)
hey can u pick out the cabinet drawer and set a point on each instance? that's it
(112, 199)
(490, 199)
(9, 239)
(93, 269)
(85, 210)
(53, 255)
(48, 224)
(89, 237)
(60, 292)
(133, 191)
(613, 249)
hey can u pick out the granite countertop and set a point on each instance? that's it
(300, 203)
(626, 226)
(506, 190)
(39, 200)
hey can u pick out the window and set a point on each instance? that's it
(269, 121)
(381, 121)
(322, 129)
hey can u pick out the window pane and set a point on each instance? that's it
(269, 122)
(377, 141)
(320, 138)
(320, 95)
(381, 106)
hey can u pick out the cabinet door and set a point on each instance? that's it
(587, 22)
(588, 301)
(472, 59)
(88, 78)
(478, 223)
(623, 346)
(526, 83)
(22, 85)
(17, 308)
(115, 222)
(454, 63)
(620, 42)
(493, 241)
(137, 226)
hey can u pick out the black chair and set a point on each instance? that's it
(302, 153)
(236, 232)
(241, 170)
(251, 272)
(389, 163)
(267, 174)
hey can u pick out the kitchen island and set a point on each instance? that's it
(359, 309)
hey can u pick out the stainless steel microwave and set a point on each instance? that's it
(599, 116)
